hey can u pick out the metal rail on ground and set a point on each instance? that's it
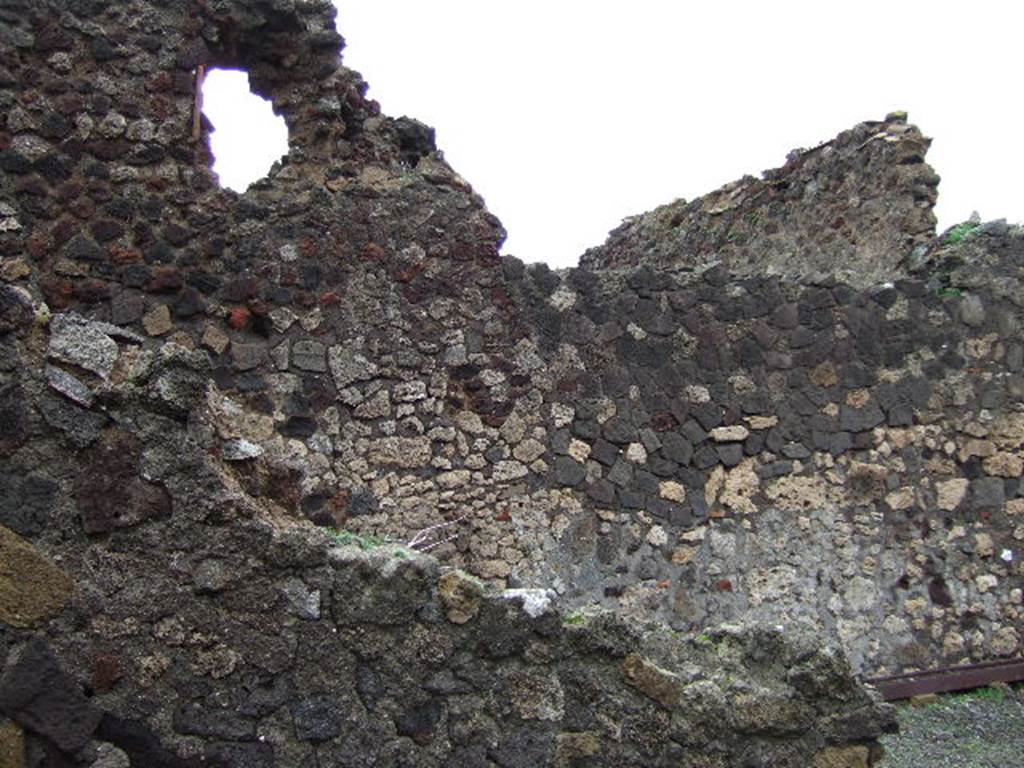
(895, 687)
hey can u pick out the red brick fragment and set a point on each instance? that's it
(239, 318)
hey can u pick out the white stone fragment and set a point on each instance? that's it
(241, 450)
(562, 299)
(734, 434)
(536, 602)
(636, 453)
(695, 393)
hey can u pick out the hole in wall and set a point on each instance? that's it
(247, 137)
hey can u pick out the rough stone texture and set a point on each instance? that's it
(863, 201)
(12, 746)
(32, 589)
(42, 698)
(686, 445)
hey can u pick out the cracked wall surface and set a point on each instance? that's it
(714, 420)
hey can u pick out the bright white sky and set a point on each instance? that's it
(568, 115)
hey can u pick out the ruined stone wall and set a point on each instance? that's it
(858, 207)
(194, 382)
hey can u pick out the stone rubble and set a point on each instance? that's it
(222, 414)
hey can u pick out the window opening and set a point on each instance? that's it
(247, 138)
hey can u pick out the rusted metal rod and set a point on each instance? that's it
(895, 687)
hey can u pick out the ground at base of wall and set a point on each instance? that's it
(982, 729)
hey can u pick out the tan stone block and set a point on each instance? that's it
(842, 757)
(657, 537)
(983, 545)
(825, 375)
(456, 478)
(579, 450)
(741, 484)
(684, 555)
(1005, 641)
(672, 491)
(1003, 465)
(32, 589)
(982, 448)
(901, 499)
(528, 451)
(762, 422)
(734, 434)
(799, 493)
(14, 269)
(714, 484)
(573, 746)
(215, 339)
(924, 700)
(12, 746)
(659, 684)
(950, 493)
(460, 595)
(157, 321)
(1008, 430)
(492, 569)
(858, 398)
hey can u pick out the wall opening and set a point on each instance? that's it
(247, 137)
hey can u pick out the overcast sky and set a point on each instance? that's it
(568, 115)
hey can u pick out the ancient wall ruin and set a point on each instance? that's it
(197, 388)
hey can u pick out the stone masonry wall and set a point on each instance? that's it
(859, 207)
(195, 383)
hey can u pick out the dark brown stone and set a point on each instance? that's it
(109, 493)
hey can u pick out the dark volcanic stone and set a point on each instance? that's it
(26, 502)
(194, 720)
(230, 755)
(586, 429)
(189, 303)
(604, 452)
(730, 454)
(126, 308)
(527, 748)
(796, 451)
(82, 248)
(569, 472)
(630, 499)
(15, 310)
(705, 457)
(318, 718)
(38, 695)
(601, 491)
(420, 721)
(621, 473)
(141, 744)
(860, 419)
(13, 418)
(988, 492)
(676, 448)
(707, 414)
(80, 427)
(299, 426)
(619, 430)
(110, 494)
(363, 501)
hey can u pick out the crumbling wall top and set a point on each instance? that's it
(857, 206)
